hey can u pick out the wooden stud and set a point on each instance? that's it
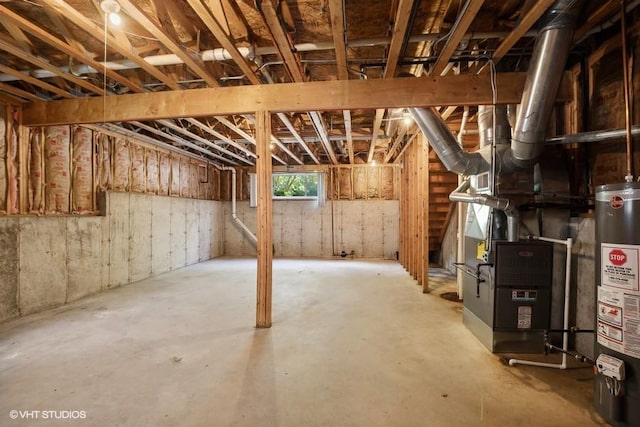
(264, 213)
(425, 188)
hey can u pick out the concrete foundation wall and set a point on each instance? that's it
(369, 228)
(49, 261)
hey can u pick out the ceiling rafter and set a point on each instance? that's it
(459, 30)
(606, 9)
(276, 141)
(283, 117)
(210, 131)
(196, 65)
(36, 82)
(398, 36)
(348, 134)
(97, 32)
(377, 122)
(21, 39)
(181, 141)
(225, 40)
(16, 51)
(60, 25)
(171, 125)
(15, 92)
(339, 37)
(69, 49)
(524, 25)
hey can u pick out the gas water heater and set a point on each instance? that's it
(617, 348)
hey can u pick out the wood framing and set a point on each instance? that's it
(328, 95)
(264, 213)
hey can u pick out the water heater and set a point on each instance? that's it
(617, 348)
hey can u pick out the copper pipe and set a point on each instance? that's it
(627, 97)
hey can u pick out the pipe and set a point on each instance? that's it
(221, 54)
(460, 195)
(486, 127)
(452, 156)
(248, 234)
(460, 218)
(543, 80)
(593, 136)
(627, 96)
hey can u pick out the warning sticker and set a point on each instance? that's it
(524, 317)
(620, 266)
(619, 320)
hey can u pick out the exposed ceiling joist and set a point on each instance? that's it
(318, 124)
(459, 30)
(221, 136)
(398, 36)
(339, 37)
(374, 133)
(19, 93)
(35, 82)
(196, 65)
(283, 117)
(606, 9)
(348, 134)
(95, 31)
(465, 89)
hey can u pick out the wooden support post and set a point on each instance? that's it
(424, 188)
(264, 212)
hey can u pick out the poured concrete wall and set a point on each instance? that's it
(49, 261)
(369, 228)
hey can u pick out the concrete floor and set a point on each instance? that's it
(353, 343)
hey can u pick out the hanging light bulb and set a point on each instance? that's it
(407, 119)
(111, 8)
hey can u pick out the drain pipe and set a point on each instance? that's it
(460, 194)
(248, 234)
(461, 219)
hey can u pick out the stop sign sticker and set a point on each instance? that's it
(617, 257)
(619, 267)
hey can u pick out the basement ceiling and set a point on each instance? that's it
(56, 49)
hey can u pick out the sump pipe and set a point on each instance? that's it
(248, 234)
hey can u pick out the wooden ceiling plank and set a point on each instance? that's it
(281, 40)
(97, 32)
(339, 37)
(36, 82)
(16, 51)
(398, 34)
(225, 40)
(525, 24)
(349, 134)
(460, 90)
(196, 65)
(454, 39)
(374, 132)
(71, 50)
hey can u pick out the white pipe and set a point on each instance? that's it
(461, 220)
(248, 234)
(567, 302)
(220, 54)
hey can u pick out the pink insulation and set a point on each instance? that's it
(57, 169)
(138, 169)
(175, 175)
(82, 171)
(153, 171)
(4, 177)
(165, 174)
(103, 162)
(122, 165)
(185, 177)
(36, 171)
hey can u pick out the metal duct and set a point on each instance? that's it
(452, 156)
(543, 80)
(460, 195)
(486, 127)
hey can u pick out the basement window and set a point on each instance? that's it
(291, 186)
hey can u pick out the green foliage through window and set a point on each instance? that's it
(295, 185)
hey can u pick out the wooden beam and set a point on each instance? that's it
(606, 9)
(349, 134)
(465, 89)
(60, 25)
(196, 65)
(41, 63)
(281, 40)
(97, 32)
(398, 35)
(284, 119)
(265, 219)
(21, 39)
(524, 25)
(225, 40)
(70, 49)
(423, 184)
(454, 39)
(318, 124)
(377, 122)
(339, 37)
(15, 92)
(221, 136)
